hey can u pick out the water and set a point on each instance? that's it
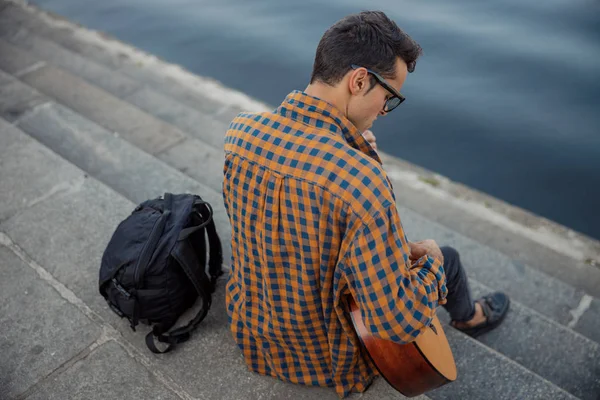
(506, 98)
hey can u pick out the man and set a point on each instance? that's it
(314, 222)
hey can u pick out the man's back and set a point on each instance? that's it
(298, 194)
(289, 194)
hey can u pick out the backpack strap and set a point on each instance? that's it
(145, 257)
(187, 258)
(205, 212)
(174, 337)
(215, 261)
(150, 246)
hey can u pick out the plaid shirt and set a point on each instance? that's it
(314, 220)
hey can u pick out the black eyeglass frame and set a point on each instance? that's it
(396, 95)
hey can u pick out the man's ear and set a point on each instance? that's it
(358, 81)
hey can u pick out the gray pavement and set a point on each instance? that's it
(89, 127)
(41, 331)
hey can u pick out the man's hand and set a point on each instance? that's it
(370, 137)
(425, 247)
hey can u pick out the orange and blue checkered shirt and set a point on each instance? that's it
(314, 220)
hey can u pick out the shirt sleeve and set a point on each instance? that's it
(397, 300)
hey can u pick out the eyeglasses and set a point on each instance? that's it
(396, 98)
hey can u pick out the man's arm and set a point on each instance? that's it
(397, 300)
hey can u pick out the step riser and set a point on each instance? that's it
(485, 376)
(16, 98)
(146, 132)
(527, 338)
(50, 52)
(189, 119)
(124, 167)
(134, 125)
(209, 130)
(532, 288)
(15, 20)
(28, 175)
(197, 160)
(589, 322)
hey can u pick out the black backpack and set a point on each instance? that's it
(154, 267)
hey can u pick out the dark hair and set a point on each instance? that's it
(368, 39)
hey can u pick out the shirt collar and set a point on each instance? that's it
(318, 113)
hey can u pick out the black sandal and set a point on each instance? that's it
(495, 307)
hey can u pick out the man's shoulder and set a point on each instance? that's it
(313, 154)
(244, 119)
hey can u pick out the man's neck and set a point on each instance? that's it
(327, 93)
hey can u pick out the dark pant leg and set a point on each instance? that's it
(460, 304)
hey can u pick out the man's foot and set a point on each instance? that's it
(490, 311)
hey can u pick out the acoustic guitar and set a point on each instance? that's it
(413, 368)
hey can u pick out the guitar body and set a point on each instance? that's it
(413, 368)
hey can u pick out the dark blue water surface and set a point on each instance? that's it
(506, 98)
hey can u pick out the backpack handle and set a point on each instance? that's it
(185, 233)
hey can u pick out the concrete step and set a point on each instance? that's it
(551, 350)
(40, 330)
(138, 127)
(528, 238)
(96, 151)
(549, 296)
(88, 211)
(197, 160)
(588, 323)
(206, 132)
(125, 168)
(198, 124)
(16, 97)
(201, 94)
(47, 51)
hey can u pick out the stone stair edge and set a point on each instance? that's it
(198, 122)
(138, 57)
